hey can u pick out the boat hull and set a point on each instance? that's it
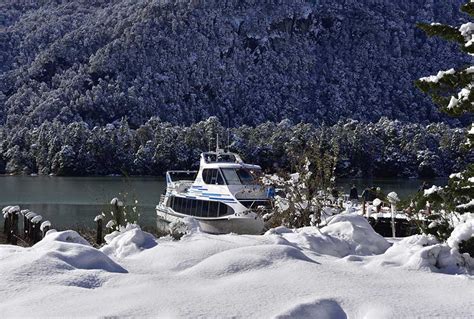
(250, 223)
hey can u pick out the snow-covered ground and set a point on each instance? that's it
(342, 270)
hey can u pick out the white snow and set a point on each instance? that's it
(36, 219)
(127, 241)
(432, 190)
(342, 270)
(437, 77)
(110, 224)
(44, 224)
(116, 202)
(463, 231)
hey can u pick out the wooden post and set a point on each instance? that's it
(14, 228)
(5, 219)
(99, 220)
(7, 226)
(25, 221)
(45, 226)
(36, 228)
(29, 225)
(393, 199)
(363, 207)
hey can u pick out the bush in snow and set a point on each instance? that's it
(305, 191)
(183, 227)
(121, 214)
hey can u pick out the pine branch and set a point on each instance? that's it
(446, 32)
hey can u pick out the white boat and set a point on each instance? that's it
(223, 196)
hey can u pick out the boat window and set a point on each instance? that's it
(238, 176)
(213, 209)
(205, 208)
(194, 203)
(212, 176)
(199, 208)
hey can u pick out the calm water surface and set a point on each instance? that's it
(75, 201)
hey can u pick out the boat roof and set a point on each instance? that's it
(224, 160)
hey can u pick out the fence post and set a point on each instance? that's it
(6, 221)
(35, 221)
(14, 230)
(393, 199)
(29, 225)
(45, 226)
(23, 213)
(99, 220)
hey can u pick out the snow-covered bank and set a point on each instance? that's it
(344, 269)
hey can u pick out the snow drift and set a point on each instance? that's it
(127, 241)
(344, 235)
(297, 273)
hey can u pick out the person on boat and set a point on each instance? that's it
(380, 195)
(353, 195)
(372, 193)
(366, 194)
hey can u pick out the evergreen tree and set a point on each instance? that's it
(452, 91)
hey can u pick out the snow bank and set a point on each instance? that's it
(284, 273)
(356, 231)
(423, 252)
(127, 241)
(244, 259)
(68, 250)
(68, 236)
(345, 234)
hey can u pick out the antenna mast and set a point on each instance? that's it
(228, 135)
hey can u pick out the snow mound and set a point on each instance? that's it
(356, 231)
(245, 259)
(67, 236)
(345, 234)
(423, 252)
(61, 257)
(127, 241)
(68, 250)
(461, 232)
(322, 309)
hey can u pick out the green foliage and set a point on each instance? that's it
(121, 213)
(444, 31)
(452, 91)
(306, 189)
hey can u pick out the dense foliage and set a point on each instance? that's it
(453, 91)
(246, 62)
(384, 148)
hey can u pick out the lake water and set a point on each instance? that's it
(75, 201)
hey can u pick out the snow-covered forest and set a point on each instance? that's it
(70, 68)
(386, 148)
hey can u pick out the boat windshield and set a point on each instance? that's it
(238, 176)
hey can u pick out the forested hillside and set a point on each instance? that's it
(244, 61)
(101, 87)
